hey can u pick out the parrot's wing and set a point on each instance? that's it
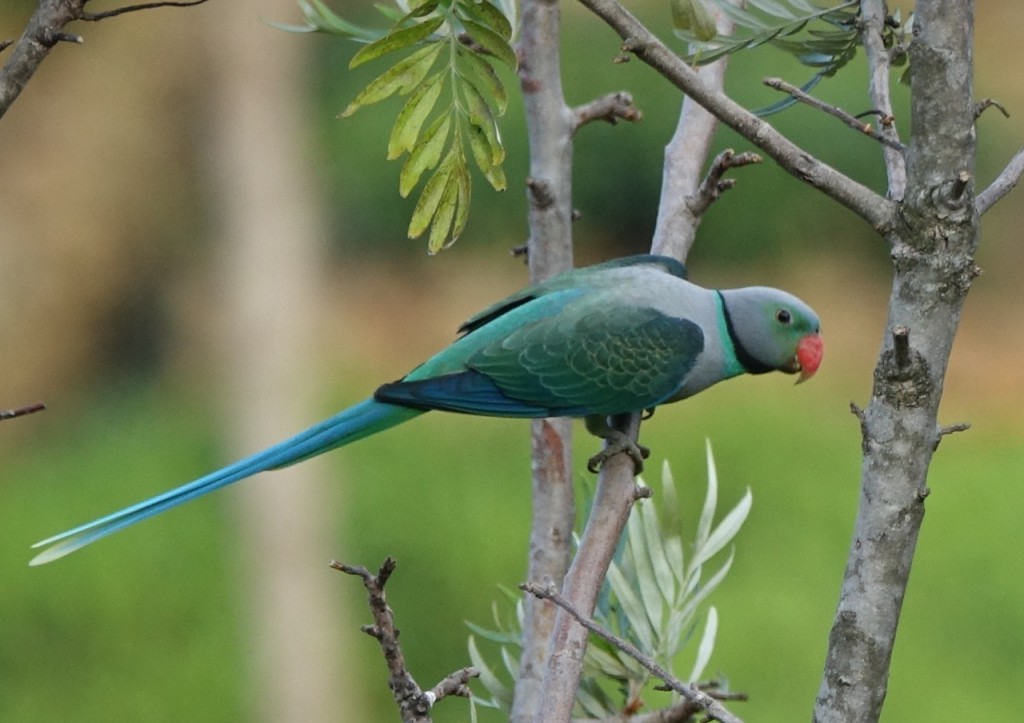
(587, 359)
(577, 278)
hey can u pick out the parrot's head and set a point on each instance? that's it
(773, 331)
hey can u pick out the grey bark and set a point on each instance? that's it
(550, 125)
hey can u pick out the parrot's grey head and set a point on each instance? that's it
(773, 331)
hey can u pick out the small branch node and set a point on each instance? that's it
(641, 492)
(610, 108)
(51, 37)
(901, 346)
(4, 44)
(983, 105)
(714, 185)
(540, 192)
(963, 180)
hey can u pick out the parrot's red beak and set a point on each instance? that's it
(808, 354)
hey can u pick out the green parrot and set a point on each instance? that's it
(615, 338)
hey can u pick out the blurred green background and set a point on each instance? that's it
(112, 279)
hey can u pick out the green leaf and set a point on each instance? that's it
(491, 42)
(441, 224)
(480, 116)
(486, 75)
(707, 513)
(425, 155)
(325, 20)
(401, 78)
(706, 646)
(487, 677)
(464, 187)
(481, 149)
(429, 199)
(396, 40)
(415, 111)
(726, 529)
(694, 16)
(487, 14)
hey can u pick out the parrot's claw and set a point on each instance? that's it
(616, 442)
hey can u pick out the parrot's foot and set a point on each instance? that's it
(616, 442)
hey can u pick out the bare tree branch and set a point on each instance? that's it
(715, 183)
(933, 253)
(135, 8)
(873, 18)
(21, 411)
(610, 108)
(704, 702)
(637, 39)
(413, 704)
(616, 492)
(550, 125)
(847, 118)
(1003, 184)
(679, 208)
(44, 30)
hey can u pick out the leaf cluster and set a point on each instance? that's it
(652, 598)
(822, 38)
(446, 54)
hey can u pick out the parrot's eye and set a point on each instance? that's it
(783, 316)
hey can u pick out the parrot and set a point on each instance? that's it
(618, 337)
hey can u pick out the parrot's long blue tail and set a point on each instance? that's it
(356, 422)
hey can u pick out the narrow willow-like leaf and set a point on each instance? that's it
(487, 677)
(511, 663)
(492, 42)
(425, 155)
(487, 14)
(494, 636)
(726, 529)
(706, 646)
(632, 607)
(701, 594)
(481, 150)
(654, 545)
(485, 74)
(410, 119)
(396, 40)
(325, 20)
(426, 206)
(645, 577)
(707, 512)
(441, 225)
(400, 78)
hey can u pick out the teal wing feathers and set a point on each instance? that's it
(584, 360)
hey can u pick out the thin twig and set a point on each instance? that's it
(714, 709)
(637, 39)
(983, 105)
(93, 17)
(1003, 184)
(847, 118)
(610, 108)
(22, 411)
(413, 704)
(714, 183)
